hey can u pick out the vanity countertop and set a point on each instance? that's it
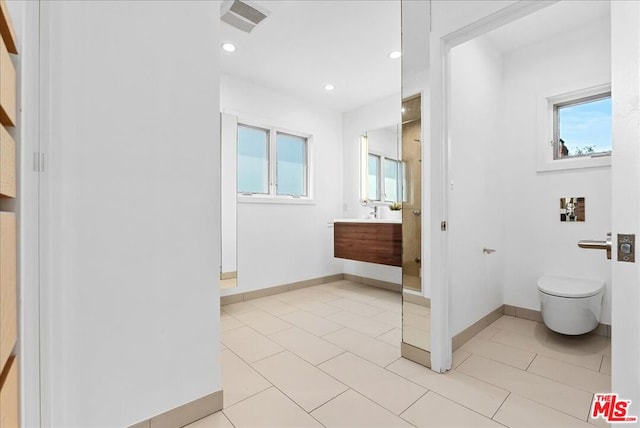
(368, 220)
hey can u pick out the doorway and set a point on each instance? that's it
(603, 209)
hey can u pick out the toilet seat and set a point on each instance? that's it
(569, 287)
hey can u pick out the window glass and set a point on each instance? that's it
(583, 127)
(391, 175)
(253, 160)
(291, 165)
(374, 172)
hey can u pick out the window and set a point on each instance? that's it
(291, 165)
(373, 192)
(574, 127)
(582, 127)
(392, 183)
(384, 179)
(253, 160)
(272, 163)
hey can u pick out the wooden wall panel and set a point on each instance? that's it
(7, 32)
(8, 301)
(7, 164)
(368, 242)
(9, 378)
(9, 396)
(7, 87)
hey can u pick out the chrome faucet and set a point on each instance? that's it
(374, 213)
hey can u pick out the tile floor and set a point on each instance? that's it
(330, 356)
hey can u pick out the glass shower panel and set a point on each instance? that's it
(412, 206)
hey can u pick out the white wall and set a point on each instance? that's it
(382, 113)
(537, 243)
(284, 243)
(476, 195)
(131, 300)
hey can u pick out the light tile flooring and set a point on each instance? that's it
(330, 356)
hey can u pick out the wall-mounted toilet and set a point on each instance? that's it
(570, 305)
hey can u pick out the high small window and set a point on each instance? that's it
(272, 163)
(582, 127)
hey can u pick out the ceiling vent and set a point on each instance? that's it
(242, 15)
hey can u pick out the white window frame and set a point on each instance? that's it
(399, 180)
(272, 197)
(306, 164)
(381, 185)
(545, 142)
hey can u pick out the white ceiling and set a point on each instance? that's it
(550, 21)
(304, 44)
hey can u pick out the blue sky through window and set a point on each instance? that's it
(586, 125)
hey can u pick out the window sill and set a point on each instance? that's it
(271, 200)
(575, 163)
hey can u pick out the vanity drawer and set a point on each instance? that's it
(9, 396)
(8, 302)
(7, 87)
(379, 243)
(7, 164)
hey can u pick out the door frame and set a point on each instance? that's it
(441, 342)
(625, 192)
(35, 293)
(30, 218)
(625, 17)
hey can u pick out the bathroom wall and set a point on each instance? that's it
(382, 113)
(537, 243)
(130, 240)
(284, 243)
(476, 200)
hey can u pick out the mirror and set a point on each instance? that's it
(416, 304)
(382, 172)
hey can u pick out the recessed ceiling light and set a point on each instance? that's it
(395, 54)
(229, 47)
(329, 87)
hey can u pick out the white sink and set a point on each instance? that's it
(367, 220)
